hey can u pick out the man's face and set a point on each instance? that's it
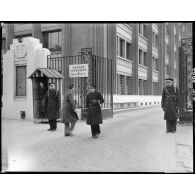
(52, 86)
(91, 89)
(169, 83)
(41, 84)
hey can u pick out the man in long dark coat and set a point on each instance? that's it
(69, 115)
(52, 102)
(42, 92)
(170, 105)
(94, 100)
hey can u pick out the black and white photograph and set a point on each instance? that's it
(97, 97)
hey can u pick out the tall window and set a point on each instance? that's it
(154, 39)
(142, 57)
(142, 28)
(155, 63)
(128, 51)
(20, 80)
(53, 41)
(122, 48)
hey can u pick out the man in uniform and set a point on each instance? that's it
(52, 102)
(42, 92)
(170, 105)
(94, 100)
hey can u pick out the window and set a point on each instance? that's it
(122, 84)
(141, 87)
(121, 47)
(154, 39)
(142, 57)
(155, 63)
(142, 28)
(129, 85)
(20, 80)
(53, 41)
(128, 51)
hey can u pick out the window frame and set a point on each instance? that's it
(25, 92)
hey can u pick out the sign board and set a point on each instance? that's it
(78, 70)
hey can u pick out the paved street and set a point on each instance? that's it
(133, 141)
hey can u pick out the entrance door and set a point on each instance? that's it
(37, 100)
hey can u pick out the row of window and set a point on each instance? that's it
(125, 86)
(124, 48)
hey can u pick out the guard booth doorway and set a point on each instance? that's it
(41, 77)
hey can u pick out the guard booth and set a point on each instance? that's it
(185, 81)
(45, 76)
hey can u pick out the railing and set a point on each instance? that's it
(100, 75)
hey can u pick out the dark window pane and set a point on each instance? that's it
(20, 80)
(128, 51)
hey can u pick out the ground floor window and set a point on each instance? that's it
(143, 87)
(155, 87)
(20, 80)
(129, 85)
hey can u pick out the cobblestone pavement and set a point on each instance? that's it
(133, 141)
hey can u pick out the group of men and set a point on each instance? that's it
(51, 100)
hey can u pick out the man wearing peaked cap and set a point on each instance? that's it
(94, 100)
(170, 105)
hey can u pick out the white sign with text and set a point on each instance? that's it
(78, 70)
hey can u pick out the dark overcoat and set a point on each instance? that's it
(52, 103)
(170, 102)
(42, 92)
(69, 115)
(94, 113)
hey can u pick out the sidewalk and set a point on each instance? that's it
(184, 146)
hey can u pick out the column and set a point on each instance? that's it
(9, 35)
(149, 60)
(161, 56)
(135, 58)
(36, 31)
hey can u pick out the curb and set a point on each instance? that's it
(132, 109)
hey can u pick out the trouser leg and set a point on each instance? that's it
(67, 131)
(72, 126)
(171, 125)
(93, 130)
(55, 123)
(50, 124)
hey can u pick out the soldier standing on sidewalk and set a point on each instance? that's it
(52, 103)
(69, 114)
(94, 115)
(170, 105)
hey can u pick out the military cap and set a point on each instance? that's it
(91, 85)
(70, 86)
(169, 78)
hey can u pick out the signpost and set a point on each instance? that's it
(78, 70)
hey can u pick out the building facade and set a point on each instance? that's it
(143, 54)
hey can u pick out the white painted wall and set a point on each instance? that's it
(36, 57)
(125, 99)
